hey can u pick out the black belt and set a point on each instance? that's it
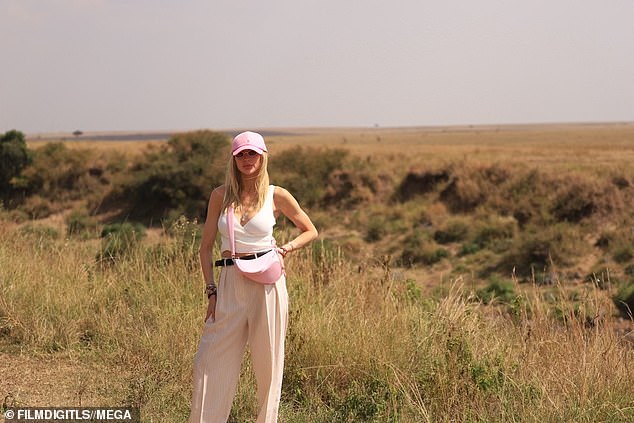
(229, 261)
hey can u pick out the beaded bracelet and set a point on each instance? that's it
(211, 289)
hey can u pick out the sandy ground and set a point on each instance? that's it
(52, 380)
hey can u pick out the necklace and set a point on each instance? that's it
(246, 206)
(244, 214)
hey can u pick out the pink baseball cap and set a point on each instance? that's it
(248, 141)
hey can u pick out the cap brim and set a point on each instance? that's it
(248, 147)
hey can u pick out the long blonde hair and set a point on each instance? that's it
(233, 187)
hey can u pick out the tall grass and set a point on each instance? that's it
(364, 344)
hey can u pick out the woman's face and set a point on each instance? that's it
(248, 162)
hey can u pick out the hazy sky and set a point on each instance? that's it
(187, 64)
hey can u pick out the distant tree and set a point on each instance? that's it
(14, 156)
(77, 133)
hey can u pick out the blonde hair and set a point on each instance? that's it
(233, 187)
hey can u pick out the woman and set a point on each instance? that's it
(241, 311)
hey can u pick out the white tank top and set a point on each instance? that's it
(256, 234)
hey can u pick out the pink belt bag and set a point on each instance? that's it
(265, 269)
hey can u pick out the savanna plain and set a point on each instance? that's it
(462, 274)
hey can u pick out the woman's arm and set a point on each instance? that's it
(289, 207)
(207, 242)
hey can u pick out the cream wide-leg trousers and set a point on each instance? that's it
(246, 313)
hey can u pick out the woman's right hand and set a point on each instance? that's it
(211, 309)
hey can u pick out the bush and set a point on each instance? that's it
(376, 229)
(37, 207)
(59, 174)
(575, 201)
(469, 248)
(418, 249)
(415, 184)
(624, 254)
(497, 289)
(14, 157)
(617, 243)
(495, 232)
(578, 198)
(349, 188)
(472, 186)
(624, 300)
(119, 240)
(527, 197)
(454, 230)
(538, 248)
(79, 223)
(39, 231)
(305, 172)
(174, 179)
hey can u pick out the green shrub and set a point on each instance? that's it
(623, 254)
(59, 173)
(39, 231)
(119, 240)
(80, 224)
(579, 197)
(353, 187)
(473, 185)
(617, 243)
(525, 195)
(575, 203)
(454, 230)
(415, 184)
(14, 157)
(607, 240)
(306, 171)
(539, 248)
(419, 249)
(37, 207)
(469, 248)
(497, 289)
(376, 229)
(176, 178)
(624, 300)
(365, 400)
(495, 232)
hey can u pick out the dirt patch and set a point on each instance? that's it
(51, 380)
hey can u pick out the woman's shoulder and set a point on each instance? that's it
(279, 191)
(282, 195)
(217, 194)
(219, 190)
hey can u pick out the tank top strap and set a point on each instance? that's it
(269, 196)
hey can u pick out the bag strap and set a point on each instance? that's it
(231, 233)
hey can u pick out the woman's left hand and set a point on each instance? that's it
(211, 309)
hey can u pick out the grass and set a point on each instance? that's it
(492, 317)
(362, 345)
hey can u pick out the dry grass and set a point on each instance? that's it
(549, 144)
(130, 148)
(544, 145)
(367, 342)
(364, 344)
